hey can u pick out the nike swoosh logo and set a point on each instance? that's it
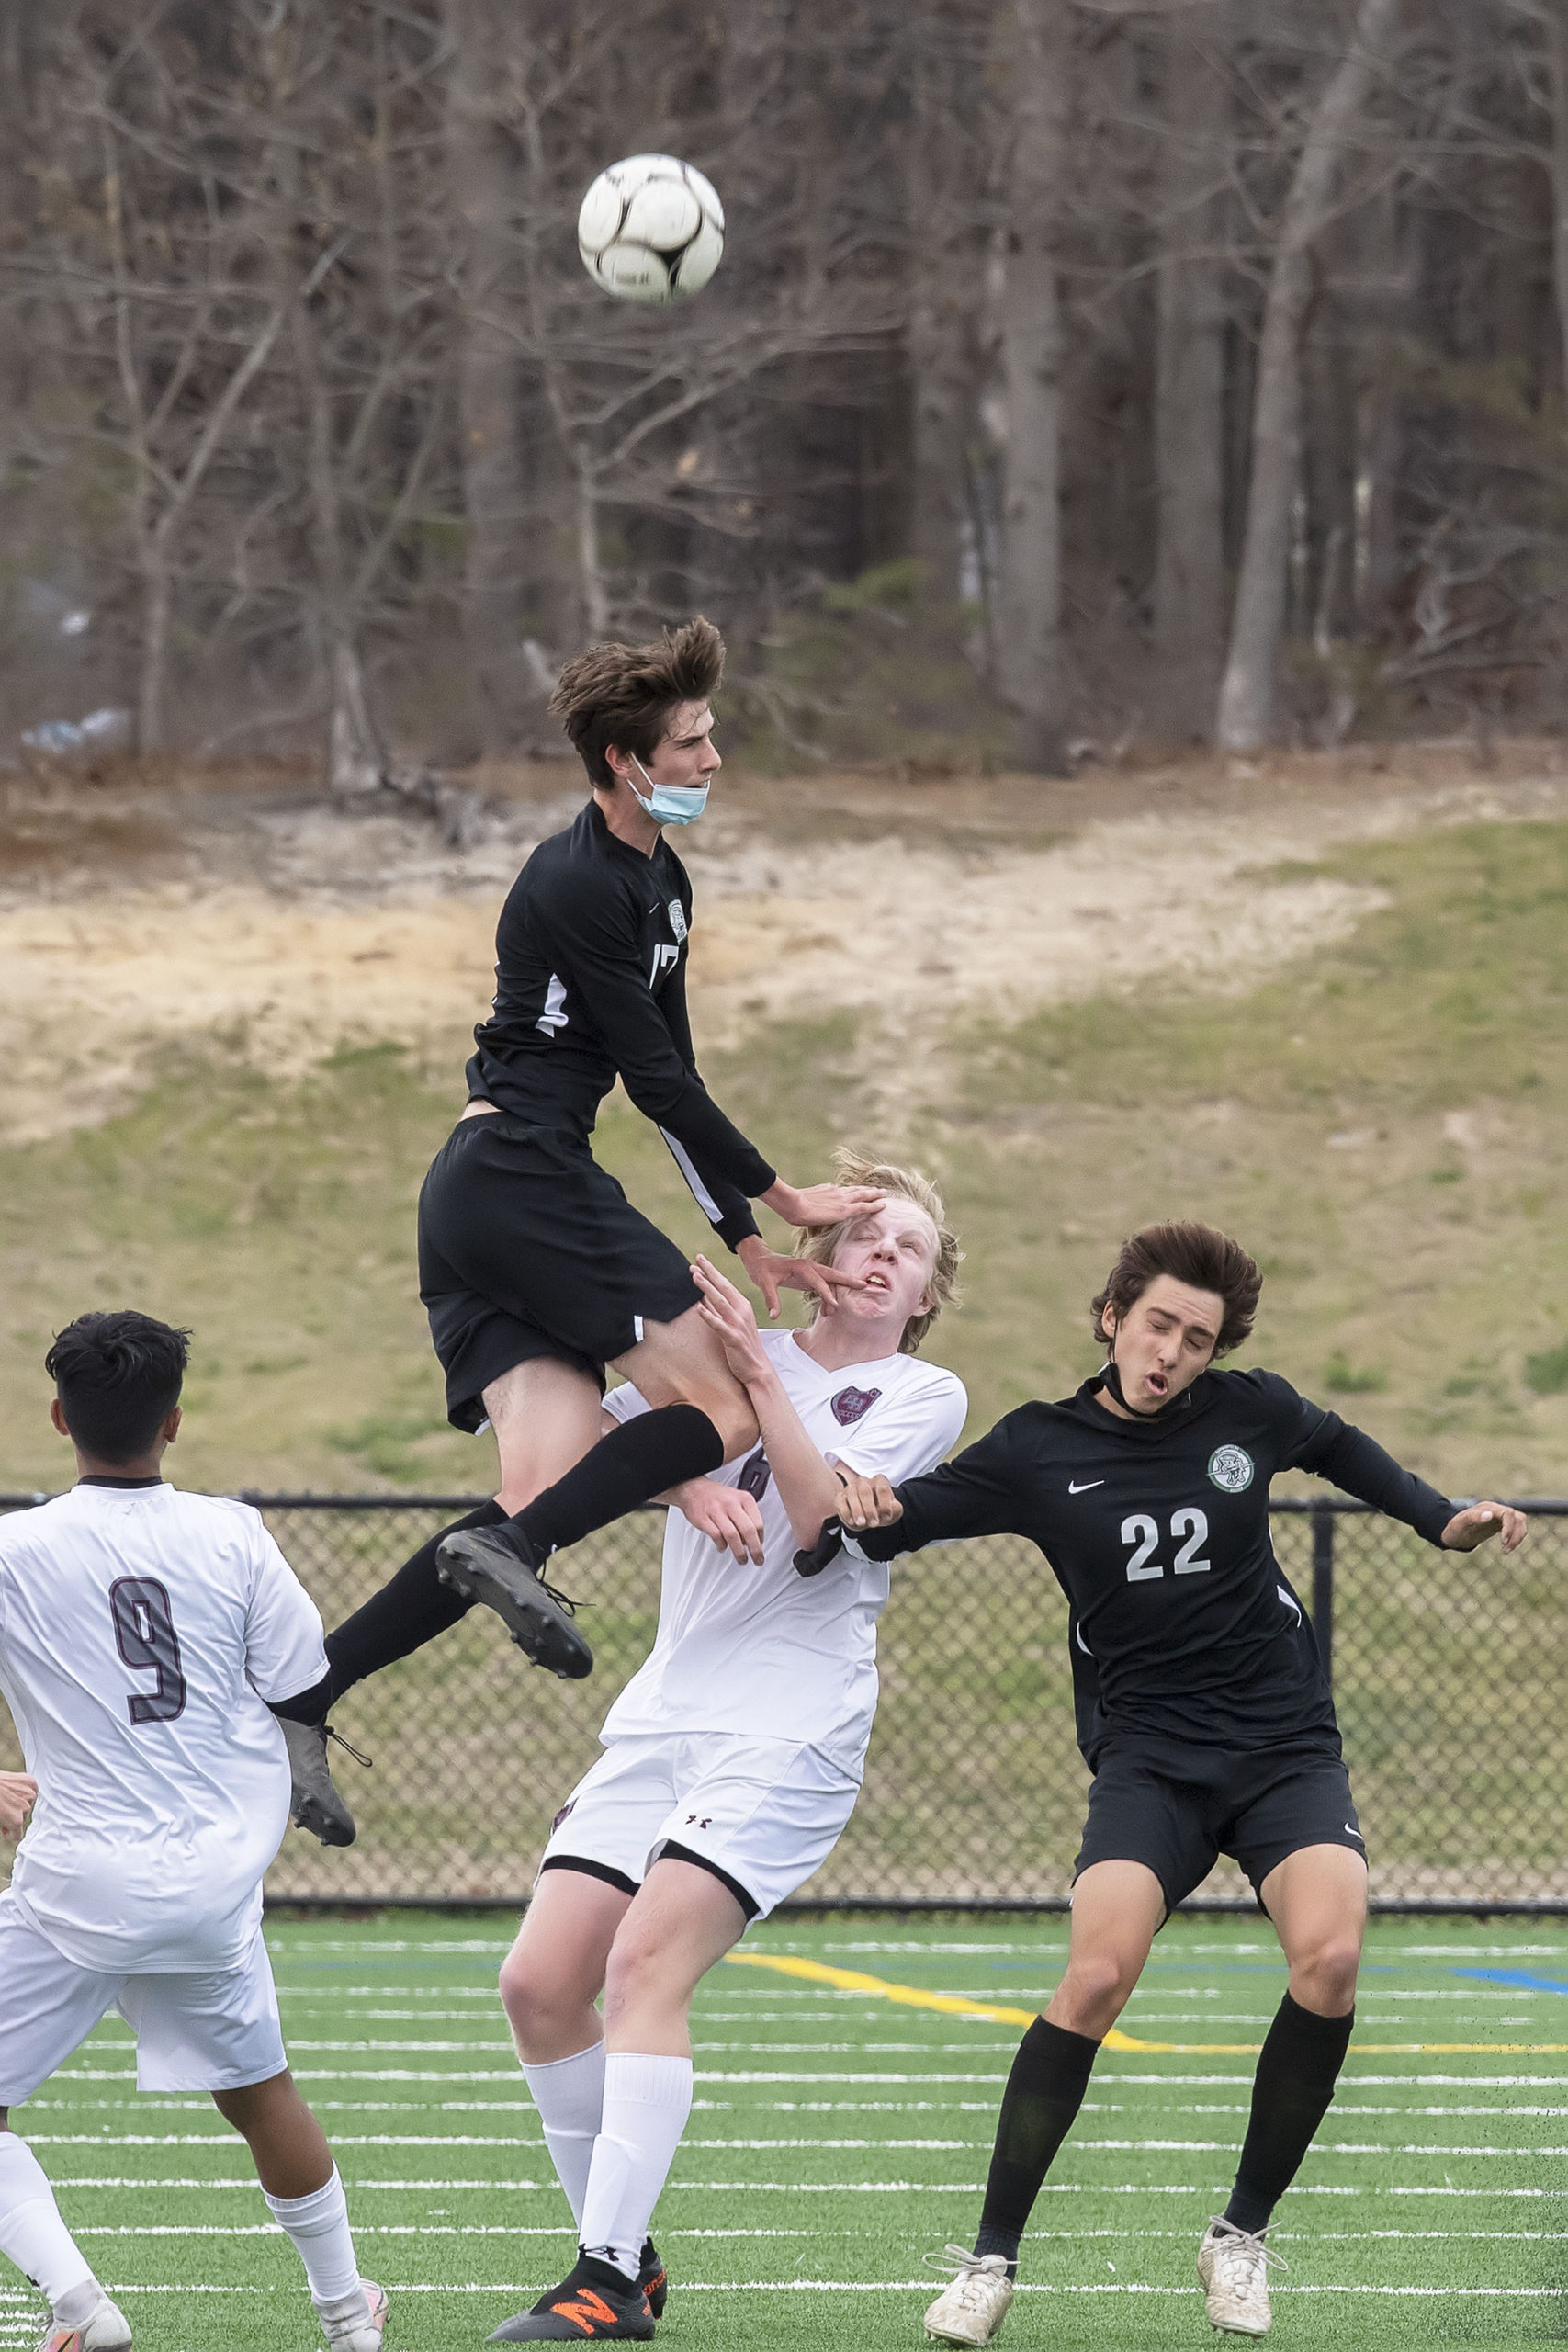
(1353, 1832)
(1085, 1488)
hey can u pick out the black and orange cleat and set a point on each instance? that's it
(594, 2302)
(653, 2278)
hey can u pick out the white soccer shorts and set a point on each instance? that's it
(767, 1813)
(212, 2033)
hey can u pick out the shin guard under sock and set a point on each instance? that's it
(1044, 2092)
(635, 1462)
(410, 1610)
(1297, 2069)
(318, 2226)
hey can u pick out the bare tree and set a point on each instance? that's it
(1190, 576)
(492, 388)
(1029, 627)
(1245, 715)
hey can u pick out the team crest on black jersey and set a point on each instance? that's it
(1230, 1469)
(678, 918)
(854, 1403)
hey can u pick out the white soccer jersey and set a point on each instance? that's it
(762, 1649)
(140, 1630)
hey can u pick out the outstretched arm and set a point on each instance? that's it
(1361, 1467)
(807, 1488)
(977, 1493)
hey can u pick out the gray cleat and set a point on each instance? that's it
(486, 1564)
(314, 1802)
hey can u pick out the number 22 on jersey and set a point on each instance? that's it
(1189, 1527)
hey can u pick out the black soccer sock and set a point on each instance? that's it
(1297, 2069)
(1044, 2092)
(410, 1610)
(630, 1466)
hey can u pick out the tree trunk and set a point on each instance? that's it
(1189, 573)
(1029, 631)
(490, 387)
(945, 263)
(1245, 717)
(1557, 61)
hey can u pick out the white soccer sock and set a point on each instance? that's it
(31, 2231)
(569, 2095)
(318, 2227)
(647, 2101)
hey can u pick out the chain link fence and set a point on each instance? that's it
(1449, 1674)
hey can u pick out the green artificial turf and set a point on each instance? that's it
(838, 2138)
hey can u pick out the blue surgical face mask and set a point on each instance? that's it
(671, 803)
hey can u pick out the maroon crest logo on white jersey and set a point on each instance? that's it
(854, 1403)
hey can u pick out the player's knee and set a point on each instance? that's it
(530, 1992)
(642, 1961)
(1327, 1972)
(1098, 1986)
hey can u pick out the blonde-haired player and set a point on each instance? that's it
(732, 1761)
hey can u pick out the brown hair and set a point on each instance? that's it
(819, 1241)
(624, 693)
(1194, 1254)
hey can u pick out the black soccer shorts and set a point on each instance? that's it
(1176, 1811)
(527, 1249)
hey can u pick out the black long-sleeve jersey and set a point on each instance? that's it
(591, 983)
(1183, 1628)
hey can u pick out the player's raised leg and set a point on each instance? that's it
(700, 1417)
(545, 1416)
(1117, 1910)
(1317, 1900)
(683, 1920)
(305, 2193)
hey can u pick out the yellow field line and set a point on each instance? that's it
(953, 2005)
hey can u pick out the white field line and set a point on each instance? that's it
(498, 2139)
(522, 2110)
(847, 2287)
(563, 2230)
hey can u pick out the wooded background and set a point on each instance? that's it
(1089, 371)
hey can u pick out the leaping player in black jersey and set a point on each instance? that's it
(1203, 1712)
(535, 1270)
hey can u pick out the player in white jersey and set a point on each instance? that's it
(141, 1632)
(732, 1761)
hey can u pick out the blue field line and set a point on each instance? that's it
(1525, 1979)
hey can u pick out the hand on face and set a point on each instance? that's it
(888, 1256)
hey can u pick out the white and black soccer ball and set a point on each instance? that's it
(651, 229)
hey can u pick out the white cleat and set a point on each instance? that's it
(1232, 2270)
(971, 2310)
(356, 2334)
(108, 2330)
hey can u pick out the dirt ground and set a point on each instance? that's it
(170, 905)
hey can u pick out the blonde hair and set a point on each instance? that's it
(819, 1242)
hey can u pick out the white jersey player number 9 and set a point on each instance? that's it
(145, 1637)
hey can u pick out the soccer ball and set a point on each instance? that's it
(651, 229)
